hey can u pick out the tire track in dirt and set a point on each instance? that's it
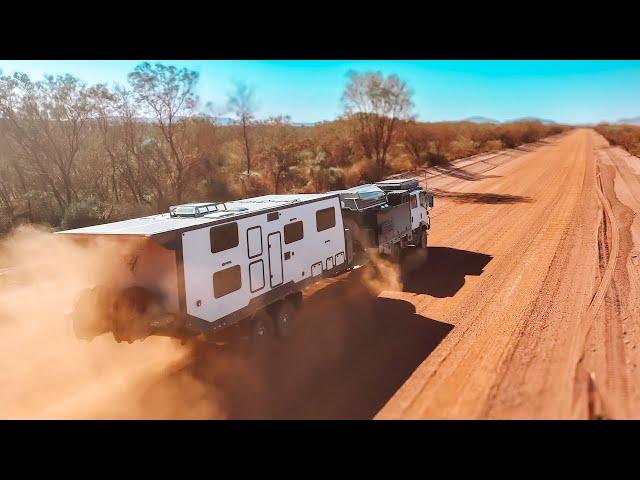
(611, 354)
(613, 253)
(609, 243)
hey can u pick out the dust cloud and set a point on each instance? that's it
(385, 274)
(47, 373)
(381, 273)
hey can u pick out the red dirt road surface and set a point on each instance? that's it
(548, 325)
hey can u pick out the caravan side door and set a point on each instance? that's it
(274, 245)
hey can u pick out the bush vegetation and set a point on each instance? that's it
(625, 136)
(73, 154)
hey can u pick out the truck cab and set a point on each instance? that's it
(388, 215)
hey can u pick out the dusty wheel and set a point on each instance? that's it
(130, 314)
(296, 298)
(423, 238)
(424, 247)
(284, 318)
(261, 331)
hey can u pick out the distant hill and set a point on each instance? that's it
(534, 119)
(480, 119)
(231, 121)
(629, 121)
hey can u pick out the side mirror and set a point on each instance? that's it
(430, 200)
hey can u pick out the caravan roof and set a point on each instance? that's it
(166, 222)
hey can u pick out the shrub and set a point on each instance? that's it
(6, 222)
(84, 213)
(252, 185)
(492, 145)
(362, 171)
(125, 211)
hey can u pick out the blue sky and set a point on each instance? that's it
(308, 91)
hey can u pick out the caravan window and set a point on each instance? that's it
(254, 242)
(224, 237)
(325, 219)
(226, 281)
(293, 232)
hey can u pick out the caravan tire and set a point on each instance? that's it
(261, 331)
(284, 318)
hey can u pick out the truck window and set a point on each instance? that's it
(423, 199)
(293, 232)
(224, 237)
(325, 219)
(226, 281)
(414, 201)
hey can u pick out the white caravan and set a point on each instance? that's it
(221, 263)
(203, 267)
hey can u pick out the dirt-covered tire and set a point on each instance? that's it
(424, 247)
(424, 239)
(284, 318)
(296, 298)
(261, 331)
(129, 310)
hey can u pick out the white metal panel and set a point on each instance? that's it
(200, 263)
(418, 213)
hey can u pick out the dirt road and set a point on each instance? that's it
(549, 327)
(529, 308)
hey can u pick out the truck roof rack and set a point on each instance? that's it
(362, 197)
(398, 184)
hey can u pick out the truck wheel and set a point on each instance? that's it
(284, 318)
(423, 238)
(424, 247)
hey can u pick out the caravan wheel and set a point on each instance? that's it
(261, 330)
(284, 318)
